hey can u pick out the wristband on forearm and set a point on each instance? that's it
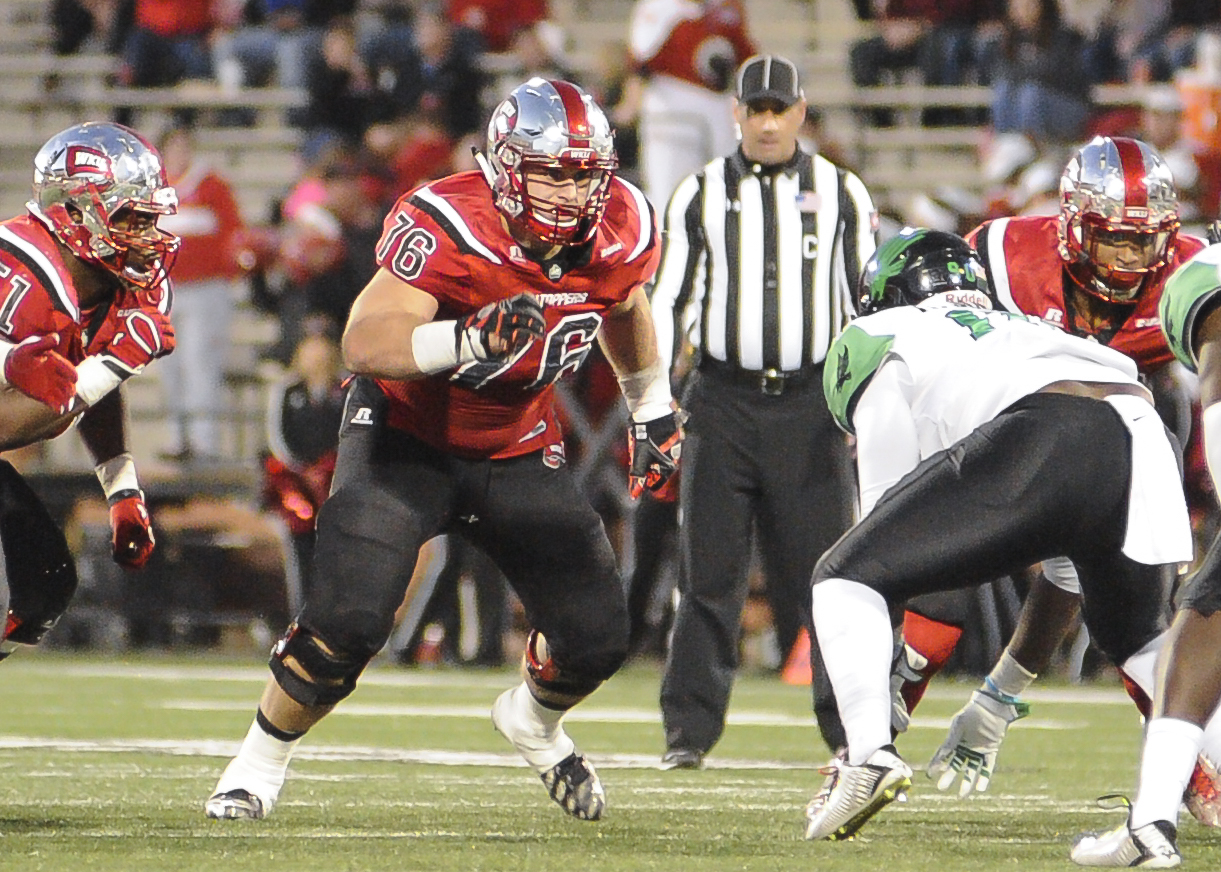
(437, 346)
(95, 378)
(118, 477)
(647, 392)
(1008, 678)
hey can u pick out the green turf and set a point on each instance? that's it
(78, 807)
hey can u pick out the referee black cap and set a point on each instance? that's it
(768, 78)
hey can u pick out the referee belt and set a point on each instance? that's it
(770, 382)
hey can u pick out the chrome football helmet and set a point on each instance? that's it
(99, 187)
(1119, 216)
(920, 264)
(550, 161)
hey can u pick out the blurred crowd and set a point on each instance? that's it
(398, 93)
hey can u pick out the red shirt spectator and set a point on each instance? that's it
(497, 21)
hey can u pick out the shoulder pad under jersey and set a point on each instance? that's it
(1187, 291)
(853, 359)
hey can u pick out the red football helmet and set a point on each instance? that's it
(552, 157)
(1119, 216)
(99, 188)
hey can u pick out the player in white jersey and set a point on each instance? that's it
(1027, 443)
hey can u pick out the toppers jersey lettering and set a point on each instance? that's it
(1188, 291)
(37, 295)
(965, 366)
(447, 239)
(1026, 271)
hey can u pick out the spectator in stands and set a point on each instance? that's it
(168, 43)
(1196, 169)
(325, 244)
(341, 96)
(442, 75)
(416, 149)
(935, 38)
(271, 41)
(1127, 30)
(685, 53)
(206, 288)
(496, 22)
(303, 418)
(1041, 86)
(90, 25)
(614, 86)
(1171, 45)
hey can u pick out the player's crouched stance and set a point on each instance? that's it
(492, 287)
(1024, 443)
(87, 306)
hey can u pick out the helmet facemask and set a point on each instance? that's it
(551, 161)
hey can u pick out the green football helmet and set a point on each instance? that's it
(918, 264)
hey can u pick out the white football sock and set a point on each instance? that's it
(535, 730)
(260, 766)
(857, 642)
(1168, 758)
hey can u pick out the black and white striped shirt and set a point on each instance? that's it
(759, 264)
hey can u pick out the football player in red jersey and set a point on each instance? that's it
(492, 286)
(1097, 269)
(84, 305)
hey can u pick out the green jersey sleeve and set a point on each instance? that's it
(853, 359)
(1188, 291)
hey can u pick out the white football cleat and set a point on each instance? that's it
(242, 795)
(1151, 846)
(856, 794)
(569, 777)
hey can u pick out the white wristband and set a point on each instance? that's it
(434, 347)
(94, 379)
(117, 474)
(647, 392)
(1010, 677)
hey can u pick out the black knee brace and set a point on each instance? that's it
(330, 675)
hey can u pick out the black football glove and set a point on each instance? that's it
(654, 448)
(1213, 232)
(501, 329)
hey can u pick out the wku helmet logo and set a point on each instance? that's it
(82, 161)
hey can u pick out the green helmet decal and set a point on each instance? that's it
(889, 260)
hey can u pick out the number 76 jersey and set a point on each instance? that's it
(447, 239)
(954, 369)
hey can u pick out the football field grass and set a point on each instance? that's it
(105, 763)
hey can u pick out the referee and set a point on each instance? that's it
(762, 251)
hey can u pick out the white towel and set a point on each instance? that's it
(1159, 529)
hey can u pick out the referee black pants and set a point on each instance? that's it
(779, 465)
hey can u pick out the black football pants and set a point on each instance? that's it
(392, 493)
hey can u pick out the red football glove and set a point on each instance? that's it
(145, 335)
(132, 538)
(654, 448)
(40, 372)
